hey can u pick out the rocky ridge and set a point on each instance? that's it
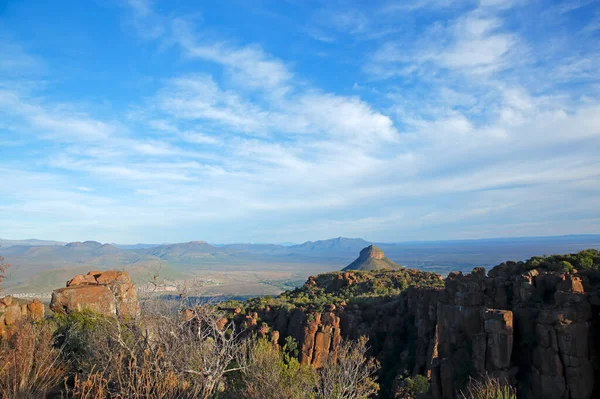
(537, 329)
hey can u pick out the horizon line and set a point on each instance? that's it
(320, 240)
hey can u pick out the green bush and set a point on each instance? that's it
(588, 259)
(73, 331)
(270, 374)
(410, 387)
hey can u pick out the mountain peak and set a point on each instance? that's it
(372, 258)
(372, 252)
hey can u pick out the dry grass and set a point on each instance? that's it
(191, 353)
(488, 388)
(29, 364)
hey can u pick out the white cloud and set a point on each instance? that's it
(57, 122)
(477, 47)
(199, 97)
(198, 138)
(264, 147)
(346, 117)
(248, 66)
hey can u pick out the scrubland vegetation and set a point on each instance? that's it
(177, 351)
(191, 354)
(587, 260)
(366, 287)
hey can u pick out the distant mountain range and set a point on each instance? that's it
(37, 263)
(30, 242)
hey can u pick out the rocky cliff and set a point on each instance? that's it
(535, 327)
(392, 307)
(110, 293)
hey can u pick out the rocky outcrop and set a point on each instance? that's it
(12, 311)
(533, 328)
(110, 293)
(402, 324)
(372, 258)
(536, 329)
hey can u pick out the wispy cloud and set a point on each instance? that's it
(449, 135)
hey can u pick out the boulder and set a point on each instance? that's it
(81, 279)
(36, 309)
(11, 312)
(110, 293)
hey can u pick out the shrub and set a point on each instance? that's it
(267, 373)
(349, 376)
(412, 386)
(291, 346)
(184, 355)
(75, 331)
(30, 366)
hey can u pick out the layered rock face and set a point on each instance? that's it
(110, 293)
(11, 311)
(537, 329)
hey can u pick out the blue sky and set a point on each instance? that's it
(290, 120)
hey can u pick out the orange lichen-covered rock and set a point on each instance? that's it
(12, 311)
(81, 279)
(97, 298)
(110, 293)
(35, 310)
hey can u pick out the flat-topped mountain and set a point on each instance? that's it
(372, 258)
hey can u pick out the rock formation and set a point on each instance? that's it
(110, 293)
(537, 329)
(532, 328)
(11, 311)
(372, 258)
